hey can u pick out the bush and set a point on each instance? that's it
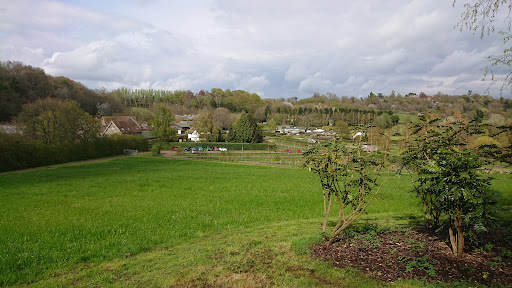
(18, 153)
(156, 147)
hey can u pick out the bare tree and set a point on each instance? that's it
(488, 17)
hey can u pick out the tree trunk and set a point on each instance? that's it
(327, 212)
(453, 240)
(457, 240)
(460, 241)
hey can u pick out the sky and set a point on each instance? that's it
(275, 48)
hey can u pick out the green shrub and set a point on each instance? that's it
(18, 153)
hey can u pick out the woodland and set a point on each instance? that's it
(22, 84)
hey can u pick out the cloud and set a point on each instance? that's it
(87, 62)
(460, 62)
(277, 49)
(255, 84)
(315, 83)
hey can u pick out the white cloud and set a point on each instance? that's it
(315, 83)
(273, 48)
(255, 84)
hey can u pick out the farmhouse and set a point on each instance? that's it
(123, 125)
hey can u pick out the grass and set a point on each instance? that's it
(99, 211)
(142, 221)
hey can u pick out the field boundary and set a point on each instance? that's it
(67, 164)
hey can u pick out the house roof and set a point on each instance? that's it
(126, 124)
(182, 124)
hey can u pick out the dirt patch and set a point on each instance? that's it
(422, 254)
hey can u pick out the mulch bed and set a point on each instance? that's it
(423, 254)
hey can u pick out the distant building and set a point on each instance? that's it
(123, 125)
(10, 129)
(194, 136)
(370, 148)
(182, 127)
(358, 134)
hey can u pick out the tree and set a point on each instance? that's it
(480, 17)
(161, 123)
(383, 121)
(348, 177)
(448, 182)
(222, 118)
(205, 124)
(245, 130)
(54, 121)
(342, 129)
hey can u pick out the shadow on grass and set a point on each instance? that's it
(392, 220)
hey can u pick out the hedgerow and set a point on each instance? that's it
(18, 153)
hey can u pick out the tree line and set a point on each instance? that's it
(21, 84)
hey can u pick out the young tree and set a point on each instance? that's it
(161, 123)
(349, 179)
(245, 130)
(448, 182)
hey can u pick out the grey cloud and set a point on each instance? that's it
(274, 48)
(255, 84)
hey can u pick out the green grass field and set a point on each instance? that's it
(142, 221)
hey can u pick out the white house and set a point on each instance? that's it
(194, 136)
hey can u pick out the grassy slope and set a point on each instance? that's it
(99, 211)
(203, 223)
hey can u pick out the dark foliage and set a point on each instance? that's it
(245, 130)
(21, 84)
(18, 153)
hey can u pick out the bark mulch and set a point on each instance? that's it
(423, 254)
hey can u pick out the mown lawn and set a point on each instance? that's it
(88, 224)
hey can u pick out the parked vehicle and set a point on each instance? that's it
(199, 148)
(299, 151)
(223, 149)
(288, 151)
(175, 148)
(186, 149)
